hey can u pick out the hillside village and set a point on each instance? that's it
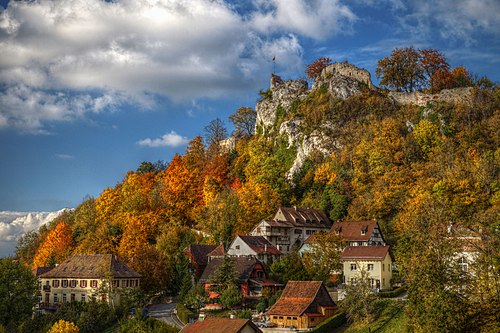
(338, 189)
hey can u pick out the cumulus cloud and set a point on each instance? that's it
(14, 224)
(171, 139)
(60, 60)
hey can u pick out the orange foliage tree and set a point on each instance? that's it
(314, 69)
(56, 246)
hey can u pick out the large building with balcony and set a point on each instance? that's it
(291, 226)
(85, 277)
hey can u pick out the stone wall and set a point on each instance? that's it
(456, 96)
(346, 69)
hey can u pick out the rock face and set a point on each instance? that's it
(283, 94)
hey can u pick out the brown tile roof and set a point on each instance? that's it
(260, 245)
(365, 252)
(221, 325)
(243, 267)
(199, 253)
(303, 217)
(41, 270)
(91, 266)
(299, 297)
(219, 251)
(352, 230)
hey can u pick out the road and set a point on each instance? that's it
(165, 312)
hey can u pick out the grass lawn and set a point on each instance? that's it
(390, 320)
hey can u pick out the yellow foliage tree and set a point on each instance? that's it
(63, 326)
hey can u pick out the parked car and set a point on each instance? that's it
(265, 324)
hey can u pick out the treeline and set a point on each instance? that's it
(417, 170)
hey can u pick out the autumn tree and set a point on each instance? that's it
(401, 71)
(56, 247)
(322, 260)
(63, 326)
(244, 121)
(315, 68)
(432, 61)
(359, 298)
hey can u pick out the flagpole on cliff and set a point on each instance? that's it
(274, 65)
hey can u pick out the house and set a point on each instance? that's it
(222, 325)
(303, 304)
(359, 233)
(248, 271)
(198, 255)
(256, 246)
(291, 226)
(375, 260)
(84, 277)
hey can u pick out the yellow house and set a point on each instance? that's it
(375, 260)
(86, 277)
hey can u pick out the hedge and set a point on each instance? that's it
(392, 293)
(331, 323)
(184, 313)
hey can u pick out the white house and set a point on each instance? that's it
(256, 246)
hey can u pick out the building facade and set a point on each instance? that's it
(376, 261)
(256, 246)
(86, 277)
(291, 226)
(359, 233)
(303, 304)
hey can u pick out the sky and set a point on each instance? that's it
(89, 88)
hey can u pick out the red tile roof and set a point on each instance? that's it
(365, 252)
(260, 245)
(91, 266)
(300, 296)
(221, 325)
(352, 230)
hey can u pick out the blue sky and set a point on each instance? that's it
(89, 88)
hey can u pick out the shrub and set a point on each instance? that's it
(331, 323)
(184, 313)
(392, 293)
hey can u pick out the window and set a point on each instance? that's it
(237, 247)
(383, 282)
(83, 298)
(370, 267)
(383, 267)
(73, 297)
(64, 283)
(388, 268)
(64, 298)
(124, 283)
(353, 267)
(116, 283)
(72, 283)
(39, 284)
(83, 283)
(462, 262)
(309, 232)
(56, 298)
(298, 231)
(288, 318)
(55, 283)
(93, 283)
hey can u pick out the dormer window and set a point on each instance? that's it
(364, 229)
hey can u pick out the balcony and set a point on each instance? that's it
(46, 288)
(285, 240)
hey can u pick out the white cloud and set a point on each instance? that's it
(57, 56)
(65, 156)
(171, 139)
(14, 224)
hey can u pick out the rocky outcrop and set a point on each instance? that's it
(305, 144)
(282, 94)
